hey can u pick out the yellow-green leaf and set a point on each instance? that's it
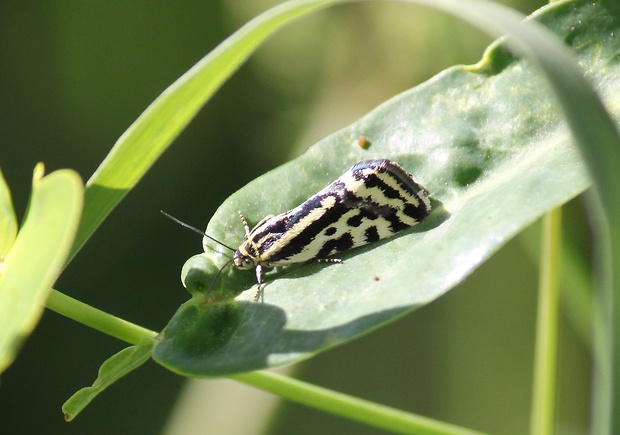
(36, 258)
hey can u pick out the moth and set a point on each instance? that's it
(373, 200)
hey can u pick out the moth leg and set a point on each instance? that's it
(245, 223)
(329, 260)
(259, 279)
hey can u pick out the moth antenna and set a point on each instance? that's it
(219, 272)
(188, 226)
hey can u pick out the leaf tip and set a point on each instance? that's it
(38, 172)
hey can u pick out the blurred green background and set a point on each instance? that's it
(74, 75)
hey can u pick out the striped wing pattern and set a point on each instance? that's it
(371, 201)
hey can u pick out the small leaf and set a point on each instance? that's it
(37, 256)
(200, 277)
(114, 368)
(487, 142)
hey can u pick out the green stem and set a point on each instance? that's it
(347, 406)
(604, 419)
(97, 319)
(545, 364)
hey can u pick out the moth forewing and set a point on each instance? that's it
(371, 201)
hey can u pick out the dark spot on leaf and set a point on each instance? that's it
(363, 142)
(467, 176)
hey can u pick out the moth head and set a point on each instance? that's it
(243, 261)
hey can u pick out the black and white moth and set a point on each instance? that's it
(371, 201)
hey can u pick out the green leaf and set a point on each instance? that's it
(488, 143)
(114, 368)
(8, 221)
(37, 256)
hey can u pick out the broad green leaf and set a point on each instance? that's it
(487, 141)
(8, 221)
(114, 368)
(37, 256)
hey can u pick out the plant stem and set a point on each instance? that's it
(347, 406)
(545, 364)
(97, 319)
(604, 419)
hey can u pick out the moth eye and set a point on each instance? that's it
(247, 263)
